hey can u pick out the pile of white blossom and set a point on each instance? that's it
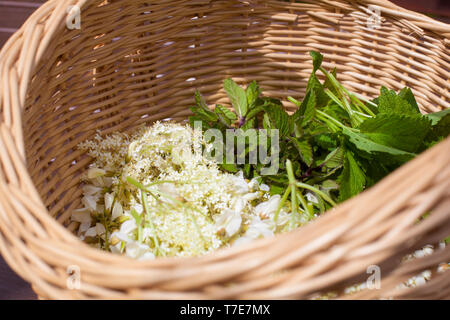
(154, 193)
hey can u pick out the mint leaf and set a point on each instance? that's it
(352, 180)
(237, 96)
(406, 94)
(390, 102)
(203, 114)
(306, 111)
(226, 112)
(364, 143)
(437, 116)
(440, 130)
(201, 102)
(230, 167)
(252, 92)
(304, 149)
(335, 158)
(317, 60)
(402, 132)
(278, 118)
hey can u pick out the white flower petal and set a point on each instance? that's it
(81, 217)
(95, 173)
(109, 199)
(268, 207)
(128, 226)
(100, 228)
(233, 225)
(117, 210)
(91, 232)
(89, 202)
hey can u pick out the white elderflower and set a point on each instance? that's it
(192, 208)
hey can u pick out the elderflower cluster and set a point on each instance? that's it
(154, 193)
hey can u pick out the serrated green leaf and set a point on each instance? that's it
(439, 131)
(306, 111)
(249, 124)
(254, 112)
(193, 119)
(390, 102)
(237, 96)
(201, 102)
(252, 93)
(325, 140)
(364, 143)
(203, 114)
(435, 117)
(352, 180)
(304, 149)
(335, 158)
(226, 112)
(317, 59)
(230, 167)
(406, 94)
(279, 119)
(401, 132)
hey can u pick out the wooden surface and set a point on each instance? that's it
(12, 16)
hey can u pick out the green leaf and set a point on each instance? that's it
(203, 114)
(237, 96)
(317, 59)
(200, 100)
(364, 143)
(247, 170)
(352, 180)
(315, 85)
(329, 85)
(406, 94)
(222, 117)
(249, 124)
(304, 149)
(390, 102)
(254, 112)
(439, 131)
(193, 119)
(253, 91)
(335, 158)
(437, 116)
(325, 140)
(279, 119)
(401, 132)
(230, 167)
(226, 112)
(306, 111)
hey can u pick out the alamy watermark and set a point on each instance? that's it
(73, 19)
(73, 281)
(374, 281)
(374, 21)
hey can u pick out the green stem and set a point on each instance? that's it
(292, 182)
(282, 202)
(315, 190)
(144, 200)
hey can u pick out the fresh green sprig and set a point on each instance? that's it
(373, 137)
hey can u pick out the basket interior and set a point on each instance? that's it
(134, 62)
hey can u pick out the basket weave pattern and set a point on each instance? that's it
(135, 62)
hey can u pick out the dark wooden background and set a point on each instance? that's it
(12, 16)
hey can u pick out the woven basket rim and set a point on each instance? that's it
(11, 57)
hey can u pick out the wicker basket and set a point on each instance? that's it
(138, 61)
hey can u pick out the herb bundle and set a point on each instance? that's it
(335, 145)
